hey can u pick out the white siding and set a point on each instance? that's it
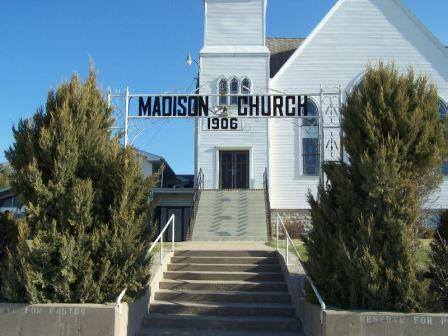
(354, 33)
(147, 168)
(253, 137)
(234, 22)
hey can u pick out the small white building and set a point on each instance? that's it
(238, 58)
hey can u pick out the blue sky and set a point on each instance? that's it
(141, 44)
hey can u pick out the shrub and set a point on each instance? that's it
(362, 243)
(85, 235)
(8, 237)
(439, 265)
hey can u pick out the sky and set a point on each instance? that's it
(141, 44)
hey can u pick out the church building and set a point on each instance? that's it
(238, 58)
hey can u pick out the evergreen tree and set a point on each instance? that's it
(439, 266)
(363, 238)
(85, 235)
(5, 175)
(8, 236)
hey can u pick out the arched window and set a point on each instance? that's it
(245, 86)
(223, 91)
(234, 86)
(312, 118)
(442, 108)
(442, 112)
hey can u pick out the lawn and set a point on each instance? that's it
(297, 242)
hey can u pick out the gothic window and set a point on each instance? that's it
(442, 109)
(442, 112)
(234, 86)
(245, 86)
(310, 154)
(223, 91)
(312, 118)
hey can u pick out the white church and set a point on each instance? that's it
(257, 167)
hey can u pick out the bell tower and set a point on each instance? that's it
(235, 23)
(233, 61)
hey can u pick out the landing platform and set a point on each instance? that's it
(223, 246)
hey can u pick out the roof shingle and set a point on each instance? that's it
(281, 50)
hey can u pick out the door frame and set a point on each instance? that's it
(218, 166)
(178, 223)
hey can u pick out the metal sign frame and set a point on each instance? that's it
(329, 126)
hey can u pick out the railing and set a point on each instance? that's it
(288, 240)
(199, 186)
(160, 238)
(267, 202)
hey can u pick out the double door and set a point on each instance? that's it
(234, 169)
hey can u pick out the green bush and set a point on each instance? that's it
(8, 237)
(363, 239)
(439, 265)
(85, 234)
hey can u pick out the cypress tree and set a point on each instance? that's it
(363, 238)
(85, 235)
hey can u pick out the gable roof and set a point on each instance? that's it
(328, 16)
(281, 49)
(153, 158)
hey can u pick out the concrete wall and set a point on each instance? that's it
(333, 322)
(58, 319)
(81, 319)
(353, 323)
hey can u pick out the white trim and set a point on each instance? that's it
(205, 21)
(263, 23)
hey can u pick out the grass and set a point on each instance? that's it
(297, 242)
(422, 256)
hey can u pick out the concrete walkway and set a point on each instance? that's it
(223, 246)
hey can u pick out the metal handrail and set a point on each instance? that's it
(160, 237)
(199, 185)
(267, 202)
(287, 241)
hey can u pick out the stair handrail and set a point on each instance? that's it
(171, 222)
(288, 240)
(198, 187)
(267, 202)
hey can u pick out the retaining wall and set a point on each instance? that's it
(369, 323)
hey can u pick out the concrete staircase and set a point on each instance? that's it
(226, 293)
(237, 215)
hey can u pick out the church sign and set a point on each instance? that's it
(168, 106)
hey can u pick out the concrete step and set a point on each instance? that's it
(260, 286)
(221, 296)
(224, 267)
(238, 276)
(220, 254)
(195, 332)
(231, 215)
(223, 308)
(246, 323)
(225, 260)
(240, 238)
